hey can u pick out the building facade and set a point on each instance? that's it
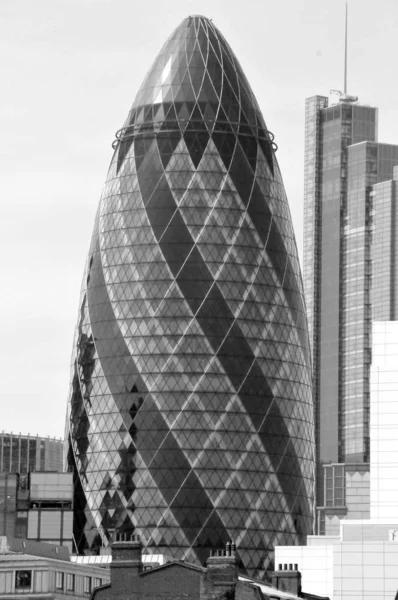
(37, 506)
(37, 570)
(359, 563)
(190, 417)
(384, 291)
(359, 559)
(343, 161)
(384, 422)
(23, 453)
(131, 579)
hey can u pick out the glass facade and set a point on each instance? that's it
(190, 419)
(356, 313)
(312, 183)
(342, 125)
(384, 293)
(338, 287)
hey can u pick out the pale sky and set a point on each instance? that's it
(69, 72)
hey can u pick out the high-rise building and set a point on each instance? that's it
(343, 160)
(190, 417)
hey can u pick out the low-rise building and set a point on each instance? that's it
(37, 570)
(360, 559)
(134, 578)
(360, 563)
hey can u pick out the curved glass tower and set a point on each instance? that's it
(190, 416)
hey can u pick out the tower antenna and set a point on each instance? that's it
(343, 96)
(345, 49)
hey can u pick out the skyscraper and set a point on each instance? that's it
(190, 418)
(342, 162)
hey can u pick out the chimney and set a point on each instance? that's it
(126, 563)
(287, 578)
(222, 572)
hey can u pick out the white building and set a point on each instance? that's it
(361, 562)
(384, 422)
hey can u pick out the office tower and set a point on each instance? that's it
(190, 416)
(342, 162)
(23, 453)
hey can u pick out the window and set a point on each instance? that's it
(97, 582)
(335, 483)
(59, 580)
(87, 585)
(23, 580)
(70, 582)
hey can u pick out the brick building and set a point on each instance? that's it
(179, 580)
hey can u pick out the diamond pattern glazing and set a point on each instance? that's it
(190, 417)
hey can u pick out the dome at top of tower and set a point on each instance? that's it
(197, 65)
(197, 82)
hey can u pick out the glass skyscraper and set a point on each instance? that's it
(190, 417)
(342, 162)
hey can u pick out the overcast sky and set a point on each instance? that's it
(69, 72)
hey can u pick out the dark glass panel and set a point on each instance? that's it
(196, 144)
(203, 41)
(167, 143)
(241, 174)
(266, 147)
(214, 70)
(249, 146)
(208, 93)
(225, 144)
